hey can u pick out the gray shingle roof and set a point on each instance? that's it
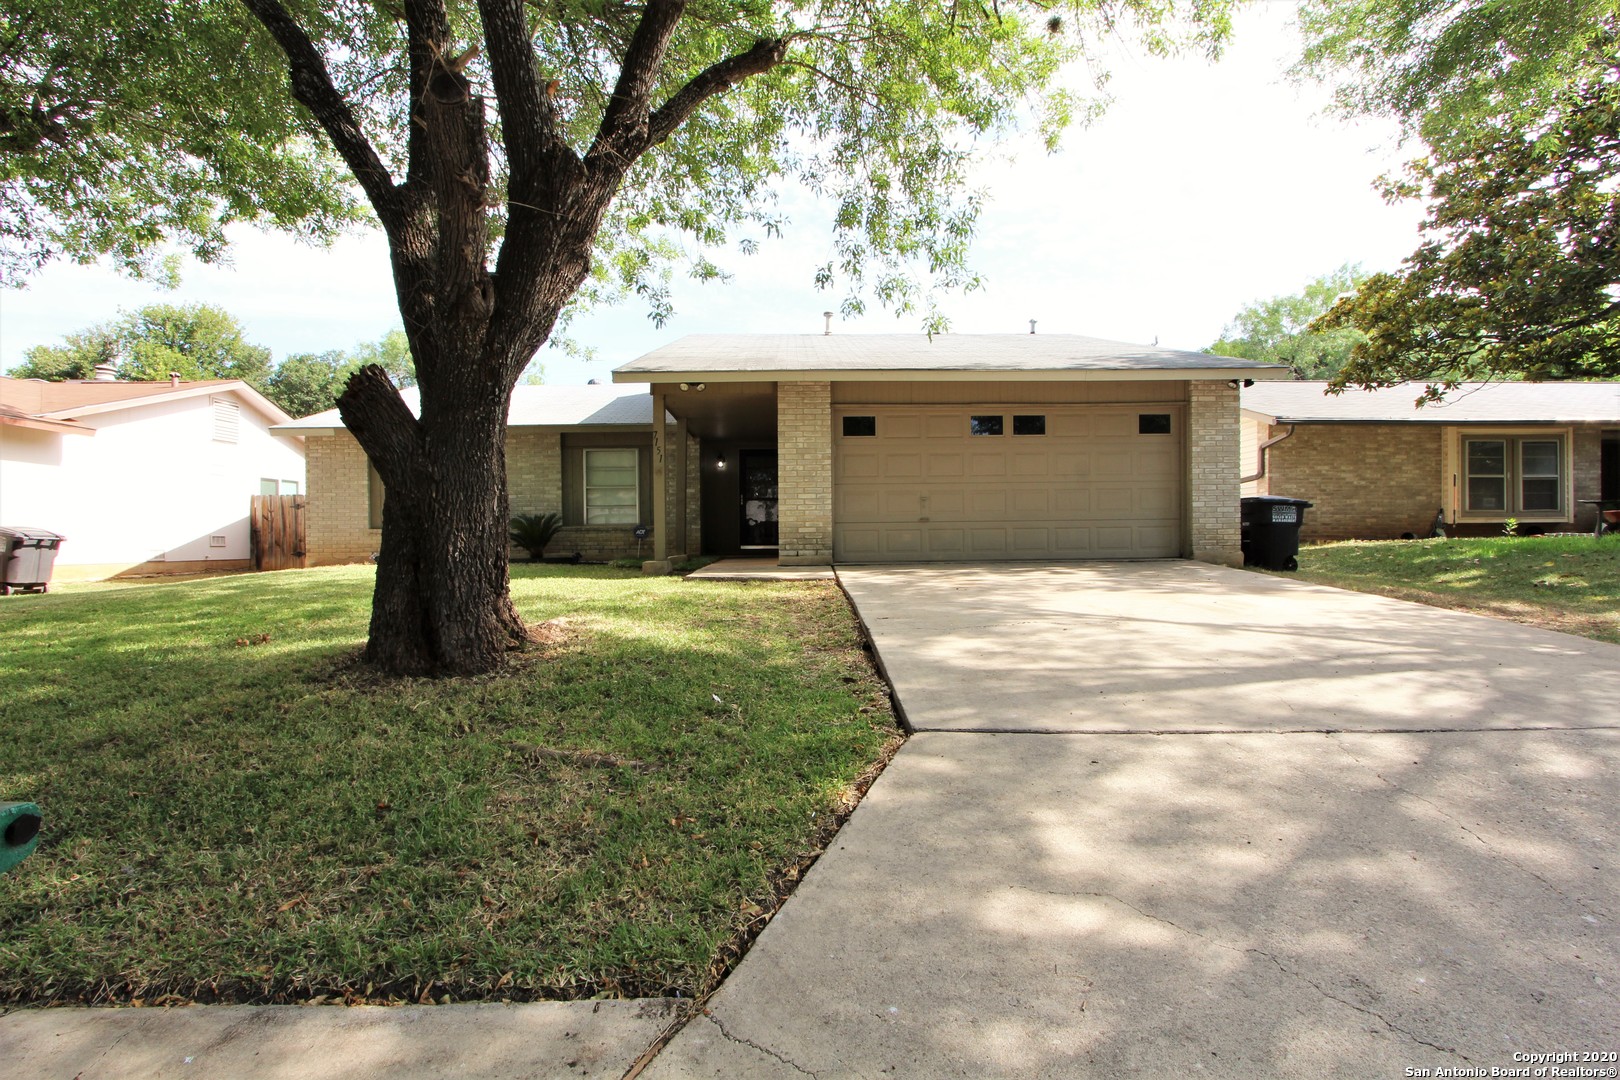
(1470, 403)
(623, 405)
(792, 353)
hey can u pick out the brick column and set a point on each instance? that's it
(804, 473)
(1213, 468)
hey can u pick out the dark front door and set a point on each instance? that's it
(756, 476)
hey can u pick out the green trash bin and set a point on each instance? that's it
(19, 832)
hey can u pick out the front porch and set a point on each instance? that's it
(762, 474)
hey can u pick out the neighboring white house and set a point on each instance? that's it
(141, 477)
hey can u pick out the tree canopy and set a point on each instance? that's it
(196, 341)
(1442, 66)
(308, 383)
(1518, 274)
(201, 341)
(126, 125)
(1277, 331)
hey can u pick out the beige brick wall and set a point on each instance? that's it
(338, 515)
(534, 471)
(694, 503)
(804, 473)
(337, 518)
(1367, 481)
(1213, 468)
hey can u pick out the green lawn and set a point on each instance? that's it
(235, 811)
(1568, 583)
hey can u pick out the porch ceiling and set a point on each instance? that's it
(733, 411)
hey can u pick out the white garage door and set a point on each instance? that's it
(1005, 482)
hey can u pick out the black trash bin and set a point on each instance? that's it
(1271, 531)
(27, 557)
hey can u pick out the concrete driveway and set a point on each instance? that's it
(1169, 819)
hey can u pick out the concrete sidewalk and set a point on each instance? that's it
(1233, 904)
(598, 1040)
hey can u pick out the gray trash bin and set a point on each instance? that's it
(27, 557)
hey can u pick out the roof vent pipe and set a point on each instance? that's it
(828, 316)
(1032, 326)
(106, 372)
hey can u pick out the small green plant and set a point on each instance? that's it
(532, 532)
(1510, 527)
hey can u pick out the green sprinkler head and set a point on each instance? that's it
(19, 832)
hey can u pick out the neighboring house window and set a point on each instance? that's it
(289, 487)
(374, 495)
(267, 487)
(1519, 475)
(612, 487)
(278, 487)
(227, 420)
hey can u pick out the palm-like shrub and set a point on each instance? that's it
(532, 532)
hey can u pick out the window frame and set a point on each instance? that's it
(585, 485)
(1513, 477)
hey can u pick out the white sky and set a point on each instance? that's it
(1202, 188)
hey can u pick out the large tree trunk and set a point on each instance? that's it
(442, 605)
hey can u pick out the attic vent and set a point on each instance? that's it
(227, 420)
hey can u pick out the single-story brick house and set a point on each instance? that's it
(860, 448)
(891, 448)
(585, 451)
(1378, 466)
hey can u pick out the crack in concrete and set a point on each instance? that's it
(1300, 976)
(767, 1051)
(1492, 848)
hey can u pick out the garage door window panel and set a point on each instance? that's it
(984, 425)
(1029, 425)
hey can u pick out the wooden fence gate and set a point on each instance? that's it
(278, 532)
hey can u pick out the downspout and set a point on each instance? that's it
(1263, 447)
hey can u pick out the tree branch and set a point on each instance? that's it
(427, 35)
(528, 120)
(622, 134)
(717, 78)
(313, 87)
(380, 421)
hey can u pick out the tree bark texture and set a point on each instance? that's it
(442, 603)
